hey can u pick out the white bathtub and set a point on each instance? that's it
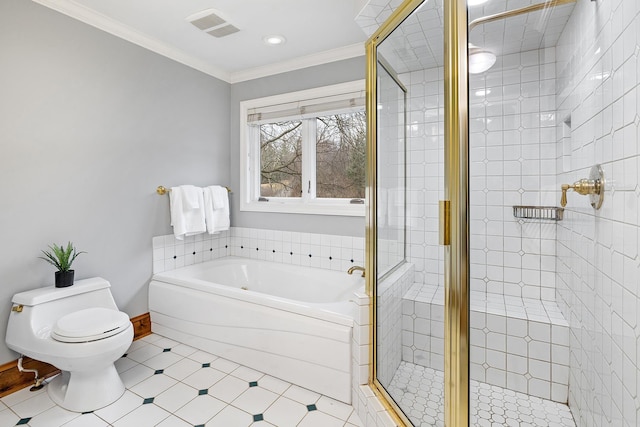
(291, 322)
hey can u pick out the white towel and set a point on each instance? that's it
(216, 209)
(186, 219)
(191, 197)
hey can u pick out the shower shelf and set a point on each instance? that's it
(552, 213)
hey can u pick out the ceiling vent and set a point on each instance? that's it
(223, 30)
(211, 22)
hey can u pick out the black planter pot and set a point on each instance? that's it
(64, 278)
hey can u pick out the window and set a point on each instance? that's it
(305, 152)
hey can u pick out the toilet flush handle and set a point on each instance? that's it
(17, 308)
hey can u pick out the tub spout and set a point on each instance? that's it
(354, 268)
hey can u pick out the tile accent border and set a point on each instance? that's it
(12, 380)
(331, 252)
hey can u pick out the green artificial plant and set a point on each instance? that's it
(61, 257)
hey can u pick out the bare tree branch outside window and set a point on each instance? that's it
(340, 157)
(281, 159)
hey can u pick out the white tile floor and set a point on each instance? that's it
(173, 385)
(420, 391)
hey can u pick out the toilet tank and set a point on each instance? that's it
(42, 307)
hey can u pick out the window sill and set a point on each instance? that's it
(309, 208)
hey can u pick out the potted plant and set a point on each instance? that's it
(62, 258)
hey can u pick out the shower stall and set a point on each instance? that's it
(478, 112)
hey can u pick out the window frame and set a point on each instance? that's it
(308, 203)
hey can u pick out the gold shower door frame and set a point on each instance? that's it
(456, 171)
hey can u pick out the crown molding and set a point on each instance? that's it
(332, 55)
(118, 29)
(104, 23)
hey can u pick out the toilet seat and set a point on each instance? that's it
(90, 324)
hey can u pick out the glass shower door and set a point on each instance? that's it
(392, 273)
(512, 345)
(410, 136)
(391, 171)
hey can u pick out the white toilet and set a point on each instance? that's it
(79, 330)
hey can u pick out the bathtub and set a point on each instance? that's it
(294, 323)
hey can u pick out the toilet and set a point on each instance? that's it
(79, 330)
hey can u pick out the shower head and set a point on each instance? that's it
(480, 60)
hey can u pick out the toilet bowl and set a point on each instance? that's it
(80, 331)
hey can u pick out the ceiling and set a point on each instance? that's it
(418, 43)
(315, 31)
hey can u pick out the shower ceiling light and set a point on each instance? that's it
(480, 60)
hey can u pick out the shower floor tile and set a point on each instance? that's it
(420, 391)
(188, 388)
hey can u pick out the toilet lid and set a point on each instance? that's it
(90, 324)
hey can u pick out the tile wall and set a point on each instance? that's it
(521, 344)
(512, 138)
(425, 172)
(597, 87)
(512, 162)
(170, 253)
(306, 249)
(363, 399)
(391, 291)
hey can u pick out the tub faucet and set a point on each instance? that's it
(354, 268)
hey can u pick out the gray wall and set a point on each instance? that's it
(307, 78)
(89, 126)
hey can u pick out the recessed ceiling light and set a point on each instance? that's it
(475, 2)
(274, 40)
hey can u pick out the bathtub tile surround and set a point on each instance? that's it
(307, 249)
(170, 253)
(326, 251)
(166, 393)
(360, 342)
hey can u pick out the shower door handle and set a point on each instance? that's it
(445, 222)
